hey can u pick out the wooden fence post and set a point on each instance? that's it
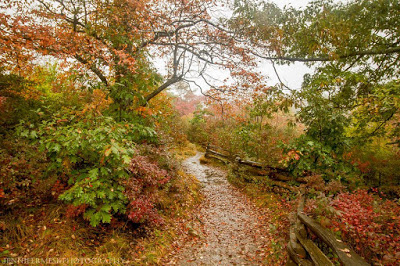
(207, 150)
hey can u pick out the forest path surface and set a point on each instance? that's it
(231, 232)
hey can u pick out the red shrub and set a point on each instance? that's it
(369, 224)
(148, 173)
(141, 190)
(142, 209)
(58, 188)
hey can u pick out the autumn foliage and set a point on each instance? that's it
(146, 177)
(86, 121)
(370, 224)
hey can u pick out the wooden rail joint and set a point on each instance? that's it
(314, 255)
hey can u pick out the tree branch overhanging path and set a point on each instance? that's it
(112, 39)
(327, 58)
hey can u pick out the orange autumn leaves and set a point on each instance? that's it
(84, 31)
(291, 155)
(111, 40)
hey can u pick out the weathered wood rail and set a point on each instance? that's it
(301, 248)
(218, 153)
(278, 177)
(274, 173)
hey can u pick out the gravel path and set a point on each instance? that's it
(230, 233)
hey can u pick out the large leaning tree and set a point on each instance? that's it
(115, 40)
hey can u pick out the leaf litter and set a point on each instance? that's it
(227, 229)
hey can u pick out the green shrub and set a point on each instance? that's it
(307, 155)
(92, 155)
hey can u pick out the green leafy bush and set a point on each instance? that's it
(306, 155)
(92, 155)
(197, 131)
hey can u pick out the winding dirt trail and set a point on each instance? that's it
(231, 232)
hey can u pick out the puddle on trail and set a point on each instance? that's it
(203, 173)
(232, 233)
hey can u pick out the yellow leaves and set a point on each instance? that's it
(107, 152)
(99, 103)
(67, 164)
(313, 47)
(144, 111)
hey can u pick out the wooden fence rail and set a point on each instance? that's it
(218, 153)
(301, 248)
(303, 251)
(275, 173)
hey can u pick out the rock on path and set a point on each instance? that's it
(232, 233)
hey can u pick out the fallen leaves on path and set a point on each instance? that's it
(229, 229)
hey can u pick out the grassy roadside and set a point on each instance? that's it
(44, 231)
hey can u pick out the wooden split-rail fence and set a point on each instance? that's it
(304, 251)
(301, 248)
(278, 176)
(275, 173)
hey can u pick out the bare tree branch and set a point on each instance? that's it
(94, 69)
(165, 85)
(390, 50)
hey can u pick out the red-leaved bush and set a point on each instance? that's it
(367, 223)
(141, 190)
(143, 210)
(58, 188)
(148, 173)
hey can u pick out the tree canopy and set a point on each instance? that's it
(354, 47)
(114, 41)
